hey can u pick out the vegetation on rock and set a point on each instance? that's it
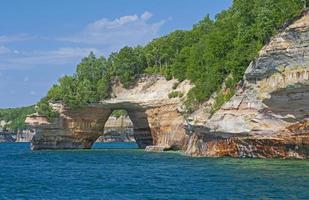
(119, 113)
(175, 94)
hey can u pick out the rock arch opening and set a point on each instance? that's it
(139, 122)
(127, 125)
(80, 128)
(118, 128)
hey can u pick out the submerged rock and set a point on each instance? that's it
(157, 148)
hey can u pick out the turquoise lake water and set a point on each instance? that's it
(120, 171)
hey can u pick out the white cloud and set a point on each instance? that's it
(104, 23)
(146, 15)
(14, 38)
(58, 57)
(102, 37)
(4, 50)
(114, 34)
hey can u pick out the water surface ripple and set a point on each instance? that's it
(119, 171)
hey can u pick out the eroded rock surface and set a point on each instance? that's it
(24, 135)
(268, 116)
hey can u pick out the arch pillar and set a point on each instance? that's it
(73, 129)
(142, 132)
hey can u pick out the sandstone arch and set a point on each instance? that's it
(157, 119)
(80, 128)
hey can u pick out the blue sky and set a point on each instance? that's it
(43, 40)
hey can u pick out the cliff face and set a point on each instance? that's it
(24, 136)
(269, 115)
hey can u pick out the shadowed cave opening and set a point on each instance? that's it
(125, 128)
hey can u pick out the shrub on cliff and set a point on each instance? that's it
(175, 94)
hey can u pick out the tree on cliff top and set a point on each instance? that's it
(88, 85)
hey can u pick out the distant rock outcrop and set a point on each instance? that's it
(14, 136)
(20, 136)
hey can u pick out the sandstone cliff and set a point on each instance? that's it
(24, 135)
(268, 116)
